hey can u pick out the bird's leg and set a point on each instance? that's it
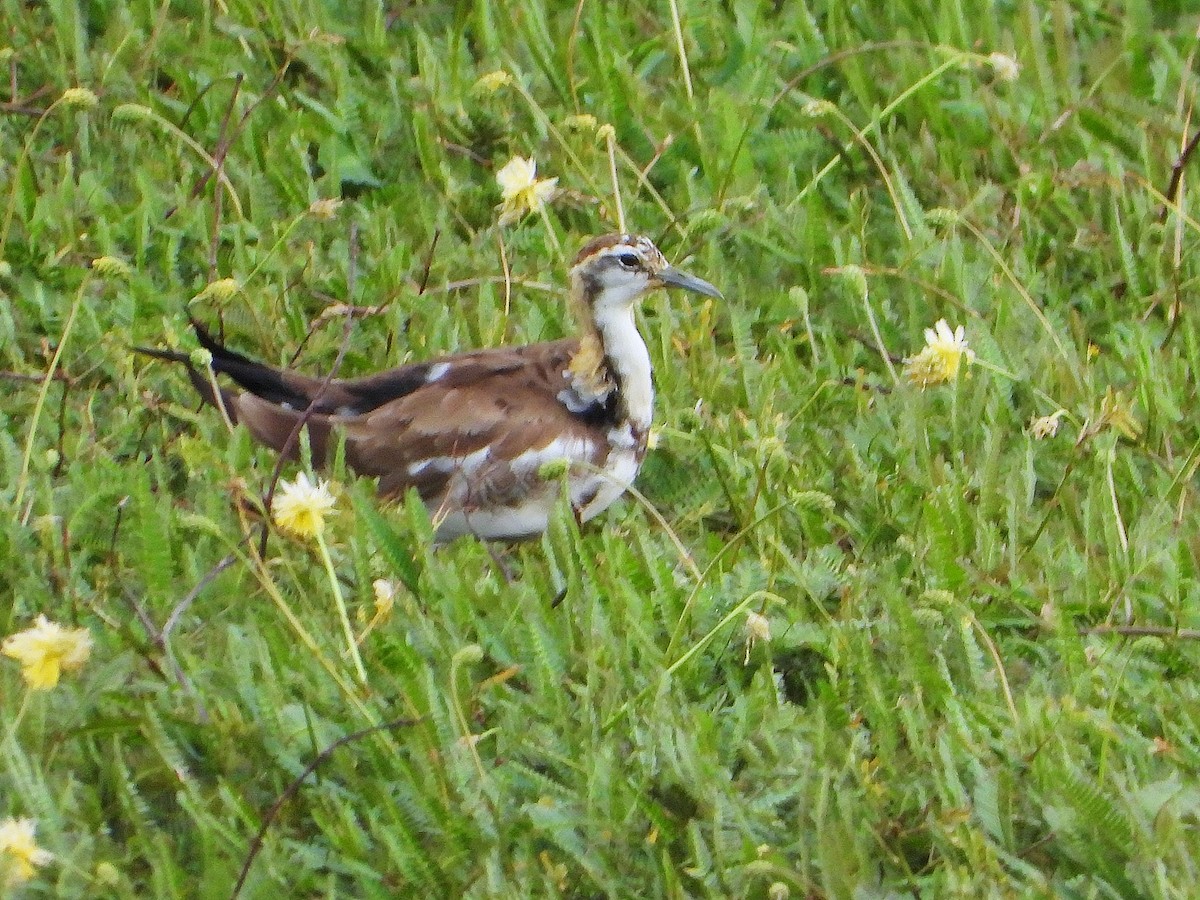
(506, 572)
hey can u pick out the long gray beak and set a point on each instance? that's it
(672, 277)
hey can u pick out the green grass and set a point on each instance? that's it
(935, 713)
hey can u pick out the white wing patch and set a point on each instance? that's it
(571, 449)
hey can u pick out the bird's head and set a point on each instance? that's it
(612, 272)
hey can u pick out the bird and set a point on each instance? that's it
(480, 434)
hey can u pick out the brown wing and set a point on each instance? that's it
(417, 434)
(508, 405)
(414, 425)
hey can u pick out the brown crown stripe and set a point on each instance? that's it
(595, 245)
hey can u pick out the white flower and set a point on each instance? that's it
(817, 109)
(521, 190)
(19, 852)
(1004, 67)
(385, 595)
(941, 358)
(300, 507)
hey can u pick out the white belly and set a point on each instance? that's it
(531, 516)
(502, 524)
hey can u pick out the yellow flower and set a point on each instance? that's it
(47, 650)
(522, 191)
(300, 507)
(493, 81)
(19, 852)
(606, 133)
(940, 359)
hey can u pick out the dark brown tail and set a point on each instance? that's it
(257, 378)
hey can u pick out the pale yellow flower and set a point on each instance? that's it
(300, 507)
(19, 852)
(940, 359)
(1004, 68)
(1041, 427)
(324, 209)
(385, 595)
(47, 650)
(79, 96)
(493, 81)
(757, 628)
(606, 132)
(521, 190)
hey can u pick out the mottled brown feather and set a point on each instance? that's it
(505, 398)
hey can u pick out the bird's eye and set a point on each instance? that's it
(628, 260)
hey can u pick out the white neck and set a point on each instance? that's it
(627, 353)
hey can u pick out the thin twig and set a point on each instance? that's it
(223, 148)
(31, 111)
(156, 638)
(291, 790)
(37, 379)
(428, 263)
(223, 144)
(182, 606)
(1177, 175)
